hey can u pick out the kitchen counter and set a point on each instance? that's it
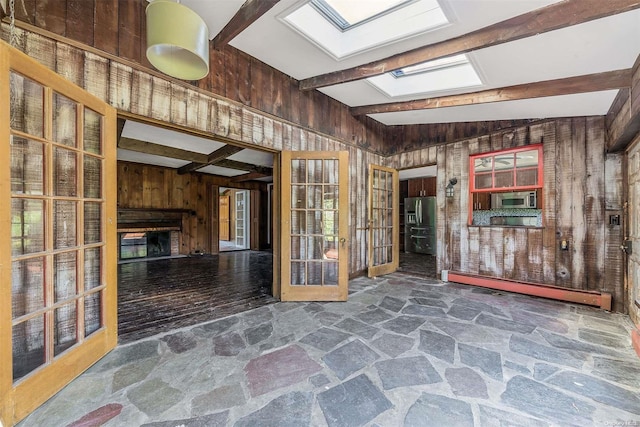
(508, 217)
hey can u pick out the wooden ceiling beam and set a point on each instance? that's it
(555, 16)
(220, 154)
(233, 164)
(249, 177)
(580, 84)
(160, 150)
(248, 13)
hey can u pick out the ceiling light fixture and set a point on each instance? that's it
(177, 40)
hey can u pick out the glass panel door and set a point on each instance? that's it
(242, 219)
(384, 220)
(314, 226)
(57, 270)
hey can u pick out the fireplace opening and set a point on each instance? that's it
(145, 244)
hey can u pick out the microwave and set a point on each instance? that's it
(515, 200)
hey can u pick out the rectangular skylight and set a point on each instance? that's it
(347, 13)
(436, 64)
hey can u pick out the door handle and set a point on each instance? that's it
(343, 241)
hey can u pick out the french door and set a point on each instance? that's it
(314, 226)
(57, 213)
(384, 220)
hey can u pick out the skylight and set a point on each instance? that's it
(369, 23)
(440, 75)
(347, 13)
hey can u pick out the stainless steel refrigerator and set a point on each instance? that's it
(420, 225)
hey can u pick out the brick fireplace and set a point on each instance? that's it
(149, 233)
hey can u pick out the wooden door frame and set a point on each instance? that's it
(373, 271)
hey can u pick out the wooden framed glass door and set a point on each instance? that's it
(314, 226)
(58, 215)
(384, 220)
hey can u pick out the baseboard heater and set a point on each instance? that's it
(594, 298)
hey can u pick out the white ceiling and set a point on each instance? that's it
(606, 44)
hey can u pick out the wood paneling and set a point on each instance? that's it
(582, 186)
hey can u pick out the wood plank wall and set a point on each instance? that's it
(154, 187)
(142, 95)
(582, 187)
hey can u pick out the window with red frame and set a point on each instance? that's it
(508, 170)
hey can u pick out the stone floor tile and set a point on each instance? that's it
(154, 396)
(516, 367)
(212, 420)
(353, 403)
(604, 338)
(218, 327)
(357, 327)
(328, 318)
(403, 324)
(224, 397)
(542, 371)
(560, 341)
(604, 325)
(432, 410)
(230, 344)
(530, 348)
(350, 358)
(539, 400)
(469, 333)
(133, 373)
(480, 306)
(259, 333)
(376, 315)
(324, 338)
(406, 371)
(123, 355)
(319, 380)
(393, 345)
(598, 390)
(289, 410)
(313, 307)
(493, 417)
(392, 304)
(504, 324)
(424, 311)
(544, 322)
(438, 345)
(99, 416)
(277, 342)
(463, 312)
(419, 293)
(278, 369)
(623, 372)
(466, 382)
(429, 302)
(489, 362)
(180, 341)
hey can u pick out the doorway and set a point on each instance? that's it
(418, 201)
(234, 219)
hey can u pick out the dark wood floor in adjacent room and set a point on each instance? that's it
(162, 295)
(418, 264)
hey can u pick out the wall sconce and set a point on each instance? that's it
(449, 188)
(177, 40)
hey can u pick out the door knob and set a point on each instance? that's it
(343, 241)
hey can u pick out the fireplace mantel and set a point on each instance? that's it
(141, 219)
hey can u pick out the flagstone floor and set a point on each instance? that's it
(403, 351)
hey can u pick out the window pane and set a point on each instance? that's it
(92, 223)
(27, 226)
(64, 224)
(27, 286)
(504, 162)
(484, 181)
(298, 171)
(64, 120)
(504, 179)
(314, 273)
(92, 313)
(526, 159)
(298, 196)
(314, 222)
(27, 166)
(92, 177)
(527, 177)
(298, 222)
(330, 197)
(64, 172)
(483, 164)
(64, 276)
(298, 276)
(27, 101)
(65, 333)
(330, 273)
(92, 268)
(314, 172)
(28, 346)
(331, 171)
(92, 131)
(298, 247)
(314, 196)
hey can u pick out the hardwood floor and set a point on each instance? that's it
(161, 295)
(419, 264)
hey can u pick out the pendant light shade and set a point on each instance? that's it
(177, 40)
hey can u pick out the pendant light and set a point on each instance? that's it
(177, 40)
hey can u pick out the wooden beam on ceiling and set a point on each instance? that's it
(241, 166)
(580, 84)
(220, 154)
(249, 177)
(248, 13)
(555, 16)
(160, 150)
